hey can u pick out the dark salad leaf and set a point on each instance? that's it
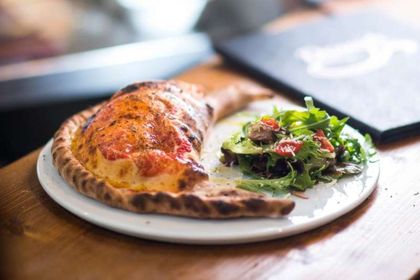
(293, 150)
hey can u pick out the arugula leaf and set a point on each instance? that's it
(354, 151)
(239, 144)
(311, 119)
(244, 162)
(336, 126)
(274, 186)
(303, 181)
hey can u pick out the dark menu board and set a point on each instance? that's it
(365, 65)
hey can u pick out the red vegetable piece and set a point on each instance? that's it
(270, 122)
(323, 140)
(288, 148)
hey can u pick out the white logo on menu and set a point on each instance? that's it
(353, 58)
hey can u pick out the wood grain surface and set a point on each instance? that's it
(378, 240)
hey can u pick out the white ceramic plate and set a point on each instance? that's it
(325, 202)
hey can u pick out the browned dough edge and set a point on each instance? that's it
(188, 203)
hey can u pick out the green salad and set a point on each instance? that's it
(293, 150)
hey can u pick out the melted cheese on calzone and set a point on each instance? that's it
(147, 137)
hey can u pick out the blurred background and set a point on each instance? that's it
(59, 56)
(42, 28)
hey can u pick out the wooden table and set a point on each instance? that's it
(378, 240)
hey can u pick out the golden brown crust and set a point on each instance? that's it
(203, 201)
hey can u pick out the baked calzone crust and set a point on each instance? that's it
(140, 151)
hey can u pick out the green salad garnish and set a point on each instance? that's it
(293, 150)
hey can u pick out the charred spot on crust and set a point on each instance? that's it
(194, 141)
(152, 84)
(74, 177)
(229, 193)
(88, 122)
(254, 205)
(194, 203)
(225, 208)
(83, 184)
(182, 184)
(139, 201)
(173, 203)
(107, 196)
(191, 136)
(184, 128)
(129, 88)
(210, 109)
(134, 87)
(190, 121)
(159, 197)
(288, 208)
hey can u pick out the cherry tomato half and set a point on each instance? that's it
(288, 148)
(270, 122)
(323, 140)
